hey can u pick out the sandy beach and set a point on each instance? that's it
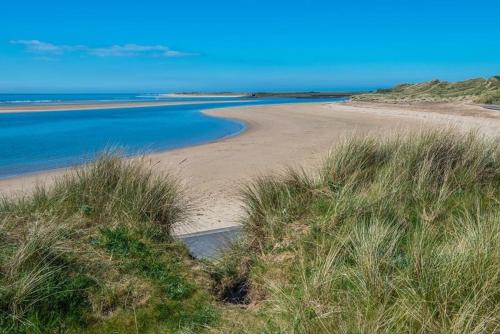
(279, 136)
(93, 106)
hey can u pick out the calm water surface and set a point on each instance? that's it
(32, 142)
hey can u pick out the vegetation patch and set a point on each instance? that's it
(396, 235)
(93, 254)
(485, 91)
(390, 235)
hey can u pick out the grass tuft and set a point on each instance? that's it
(394, 235)
(93, 253)
(485, 91)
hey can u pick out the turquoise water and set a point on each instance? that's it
(32, 142)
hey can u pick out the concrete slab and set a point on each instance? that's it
(208, 244)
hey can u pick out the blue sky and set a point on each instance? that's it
(157, 46)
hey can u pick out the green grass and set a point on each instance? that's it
(485, 91)
(395, 236)
(93, 254)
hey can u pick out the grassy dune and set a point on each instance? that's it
(94, 254)
(391, 236)
(394, 236)
(486, 91)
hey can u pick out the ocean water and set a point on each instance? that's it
(33, 142)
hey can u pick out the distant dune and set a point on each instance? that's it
(480, 90)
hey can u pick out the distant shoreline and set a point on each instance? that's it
(305, 95)
(94, 106)
(265, 94)
(208, 95)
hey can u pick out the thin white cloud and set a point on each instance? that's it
(131, 50)
(126, 50)
(173, 53)
(37, 46)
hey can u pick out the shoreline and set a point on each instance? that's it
(60, 170)
(212, 173)
(204, 95)
(99, 106)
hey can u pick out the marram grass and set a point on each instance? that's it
(397, 235)
(394, 236)
(484, 91)
(93, 254)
